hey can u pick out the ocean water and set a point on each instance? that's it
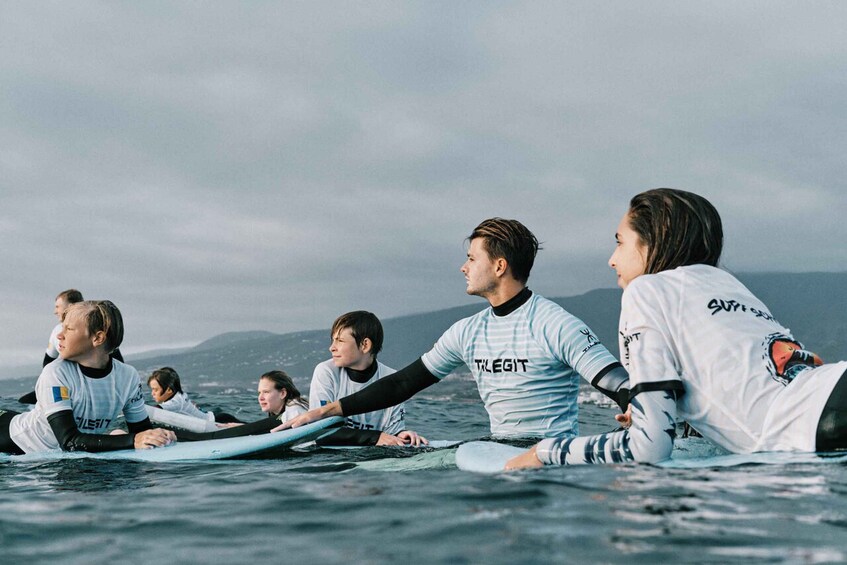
(378, 505)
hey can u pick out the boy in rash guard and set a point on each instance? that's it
(63, 300)
(356, 341)
(525, 352)
(81, 394)
(700, 346)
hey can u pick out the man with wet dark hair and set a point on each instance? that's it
(525, 352)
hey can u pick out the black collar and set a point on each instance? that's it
(513, 303)
(362, 376)
(93, 373)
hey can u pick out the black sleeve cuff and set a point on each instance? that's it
(613, 381)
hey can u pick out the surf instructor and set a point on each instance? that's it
(526, 353)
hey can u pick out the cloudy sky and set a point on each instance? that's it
(216, 167)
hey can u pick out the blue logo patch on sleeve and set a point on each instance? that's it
(60, 393)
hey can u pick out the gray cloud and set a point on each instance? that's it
(271, 165)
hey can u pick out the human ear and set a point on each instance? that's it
(366, 345)
(500, 266)
(99, 338)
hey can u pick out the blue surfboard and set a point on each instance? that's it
(226, 448)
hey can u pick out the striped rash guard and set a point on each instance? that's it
(526, 357)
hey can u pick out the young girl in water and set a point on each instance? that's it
(699, 346)
(166, 390)
(80, 395)
(278, 398)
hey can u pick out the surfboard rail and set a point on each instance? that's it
(213, 449)
(489, 458)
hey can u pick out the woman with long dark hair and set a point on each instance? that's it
(700, 346)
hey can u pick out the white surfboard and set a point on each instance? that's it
(226, 448)
(486, 457)
(689, 453)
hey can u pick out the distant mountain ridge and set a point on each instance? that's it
(812, 305)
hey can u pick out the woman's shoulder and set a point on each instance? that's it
(690, 275)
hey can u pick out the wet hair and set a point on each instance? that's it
(101, 316)
(678, 228)
(71, 296)
(362, 325)
(509, 240)
(167, 379)
(281, 382)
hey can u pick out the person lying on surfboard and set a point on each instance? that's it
(526, 353)
(356, 341)
(166, 390)
(700, 346)
(82, 393)
(279, 398)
